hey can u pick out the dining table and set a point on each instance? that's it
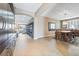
(65, 35)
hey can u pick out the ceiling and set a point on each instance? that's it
(26, 8)
(62, 11)
(25, 12)
(22, 19)
(57, 11)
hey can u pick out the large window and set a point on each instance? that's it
(8, 26)
(51, 26)
(71, 24)
(22, 28)
(1, 25)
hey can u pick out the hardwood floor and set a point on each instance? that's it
(26, 46)
(40, 47)
(63, 47)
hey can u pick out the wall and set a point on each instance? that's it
(41, 27)
(5, 6)
(38, 27)
(46, 31)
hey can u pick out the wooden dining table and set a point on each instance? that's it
(64, 35)
(67, 35)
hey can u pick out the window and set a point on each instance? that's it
(8, 26)
(71, 24)
(51, 26)
(1, 25)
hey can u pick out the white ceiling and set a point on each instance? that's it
(25, 11)
(58, 11)
(27, 8)
(22, 19)
(62, 11)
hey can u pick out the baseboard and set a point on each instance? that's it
(43, 37)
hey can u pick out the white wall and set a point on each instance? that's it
(38, 27)
(41, 27)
